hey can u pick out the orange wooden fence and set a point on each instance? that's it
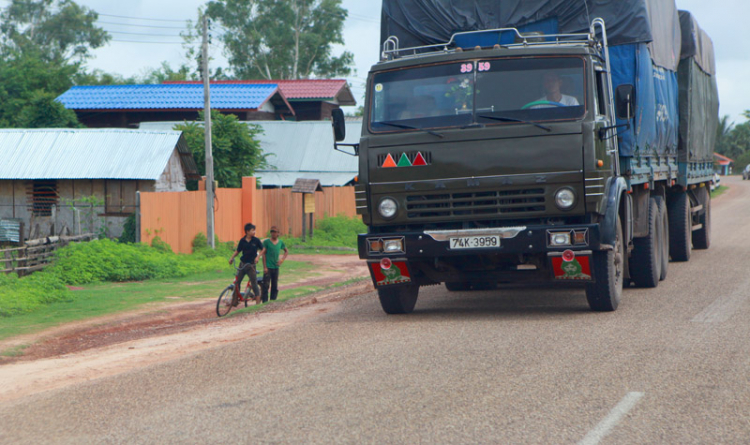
(177, 217)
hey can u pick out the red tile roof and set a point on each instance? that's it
(301, 89)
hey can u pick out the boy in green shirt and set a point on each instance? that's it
(271, 264)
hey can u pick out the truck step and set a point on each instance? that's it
(697, 227)
(696, 209)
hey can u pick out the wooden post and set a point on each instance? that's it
(312, 220)
(304, 220)
(137, 217)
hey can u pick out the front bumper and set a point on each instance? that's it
(427, 257)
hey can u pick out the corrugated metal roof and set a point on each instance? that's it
(89, 154)
(298, 147)
(167, 96)
(300, 89)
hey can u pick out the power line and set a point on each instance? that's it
(141, 26)
(141, 34)
(143, 41)
(140, 18)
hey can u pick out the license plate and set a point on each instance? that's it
(475, 242)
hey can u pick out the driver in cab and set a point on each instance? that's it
(552, 83)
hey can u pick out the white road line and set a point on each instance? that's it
(605, 426)
(724, 307)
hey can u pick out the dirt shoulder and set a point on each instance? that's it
(111, 345)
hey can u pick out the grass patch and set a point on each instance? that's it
(718, 191)
(15, 351)
(100, 299)
(332, 231)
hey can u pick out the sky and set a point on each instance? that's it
(724, 21)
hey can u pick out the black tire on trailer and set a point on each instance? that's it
(609, 272)
(702, 236)
(458, 287)
(399, 299)
(680, 226)
(224, 304)
(663, 236)
(645, 261)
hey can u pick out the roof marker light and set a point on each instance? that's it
(389, 162)
(404, 161)
(419, 161)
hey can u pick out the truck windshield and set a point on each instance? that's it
(491, 92)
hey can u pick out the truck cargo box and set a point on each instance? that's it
(699, 95)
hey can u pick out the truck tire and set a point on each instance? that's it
(398, 300)
(458, 287)
(609, 272)
(680, 227)
(702, 237)
(645, 261)
(663, 236)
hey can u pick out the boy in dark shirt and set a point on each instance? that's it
(251, 249)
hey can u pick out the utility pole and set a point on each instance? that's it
(207, 128)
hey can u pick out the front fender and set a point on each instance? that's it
(616, 199)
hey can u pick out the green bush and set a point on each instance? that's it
(105, 260)
(201, 249)
(128, 230)
(333, 231)
(23, 295)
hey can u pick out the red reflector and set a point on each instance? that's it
(386, 263)
(568, 256)
(419, 160)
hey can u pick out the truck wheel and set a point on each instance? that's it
(398, 300)
(680, 227)
(663, 236)
(702, 237)
(645, 262)
(609, 272)
(457, 287)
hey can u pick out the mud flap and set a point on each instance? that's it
(571, 266)
(387, 272)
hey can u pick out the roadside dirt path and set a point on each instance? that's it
(111, 345)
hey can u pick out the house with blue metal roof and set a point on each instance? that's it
(58, 180)
(125, 106)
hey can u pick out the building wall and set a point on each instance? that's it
(173, 178)
(80, 203)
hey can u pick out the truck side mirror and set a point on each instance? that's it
(625, 102)
(339, 124)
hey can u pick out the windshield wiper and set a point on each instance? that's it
(410, 127)
(512, 119)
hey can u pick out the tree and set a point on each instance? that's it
(236, 151)
(56, 30)
(283, 39)
(723, 131)
(43, 111)
(26, 78)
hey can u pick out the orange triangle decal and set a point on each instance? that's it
(389, 162)
(419, 160)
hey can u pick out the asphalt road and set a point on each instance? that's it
(672, 365)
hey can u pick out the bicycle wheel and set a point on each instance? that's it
(224, 304)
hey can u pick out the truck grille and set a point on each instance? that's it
(477, 204)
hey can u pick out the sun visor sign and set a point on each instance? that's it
(396, 160)
(387, 272)
(570, 267)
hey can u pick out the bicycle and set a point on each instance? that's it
(226, 299)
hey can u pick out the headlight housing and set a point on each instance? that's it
(387, 208)
(565, 198)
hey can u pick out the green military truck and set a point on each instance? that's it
(534, 142)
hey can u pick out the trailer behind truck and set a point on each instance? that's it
(534, 141)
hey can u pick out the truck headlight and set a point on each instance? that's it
(394, 245)
(565, 199)
(387, 208)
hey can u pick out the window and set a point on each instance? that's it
(43, 197)
(484, 91)
(120, 197)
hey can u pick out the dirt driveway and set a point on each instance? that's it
(118, 343)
